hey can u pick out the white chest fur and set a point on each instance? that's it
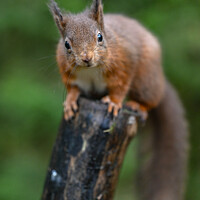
(90, 79)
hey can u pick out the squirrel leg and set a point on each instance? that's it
(143, 110)
(70, 104)
(118, 84)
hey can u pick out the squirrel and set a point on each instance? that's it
(111, 56)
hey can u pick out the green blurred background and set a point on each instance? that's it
(31, 93)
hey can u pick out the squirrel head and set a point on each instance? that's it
(83, 35)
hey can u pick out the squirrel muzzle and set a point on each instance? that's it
(87, 58)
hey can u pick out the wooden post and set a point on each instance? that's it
(88, 153)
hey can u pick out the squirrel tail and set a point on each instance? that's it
(163, 172)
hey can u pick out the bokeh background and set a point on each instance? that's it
(31, 92)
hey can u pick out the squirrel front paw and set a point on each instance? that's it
(112, 106)
(70, 107)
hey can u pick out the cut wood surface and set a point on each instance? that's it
(88, 153)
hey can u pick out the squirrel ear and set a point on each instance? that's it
(96, 12)
(58, 16)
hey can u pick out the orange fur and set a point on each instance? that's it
(129, 57)
(125, 61)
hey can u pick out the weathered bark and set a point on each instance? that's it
(88, 154)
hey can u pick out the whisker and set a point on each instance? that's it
(50, 56)
(46, 67)
(68, 67)
(45, 57)
(108, 67)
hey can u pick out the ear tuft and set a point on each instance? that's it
(58, 16)
(96, 13)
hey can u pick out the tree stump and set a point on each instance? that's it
(88, 153)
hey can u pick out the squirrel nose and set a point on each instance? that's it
(86, 57)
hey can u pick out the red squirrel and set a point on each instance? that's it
(113, 57)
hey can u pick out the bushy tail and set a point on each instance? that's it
(163, 172)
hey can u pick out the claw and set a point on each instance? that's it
(74, 106)
(69, 109)
(112, 106)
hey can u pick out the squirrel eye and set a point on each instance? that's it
(99, 37)
(67, 45)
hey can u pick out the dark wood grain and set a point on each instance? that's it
(88, 153)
